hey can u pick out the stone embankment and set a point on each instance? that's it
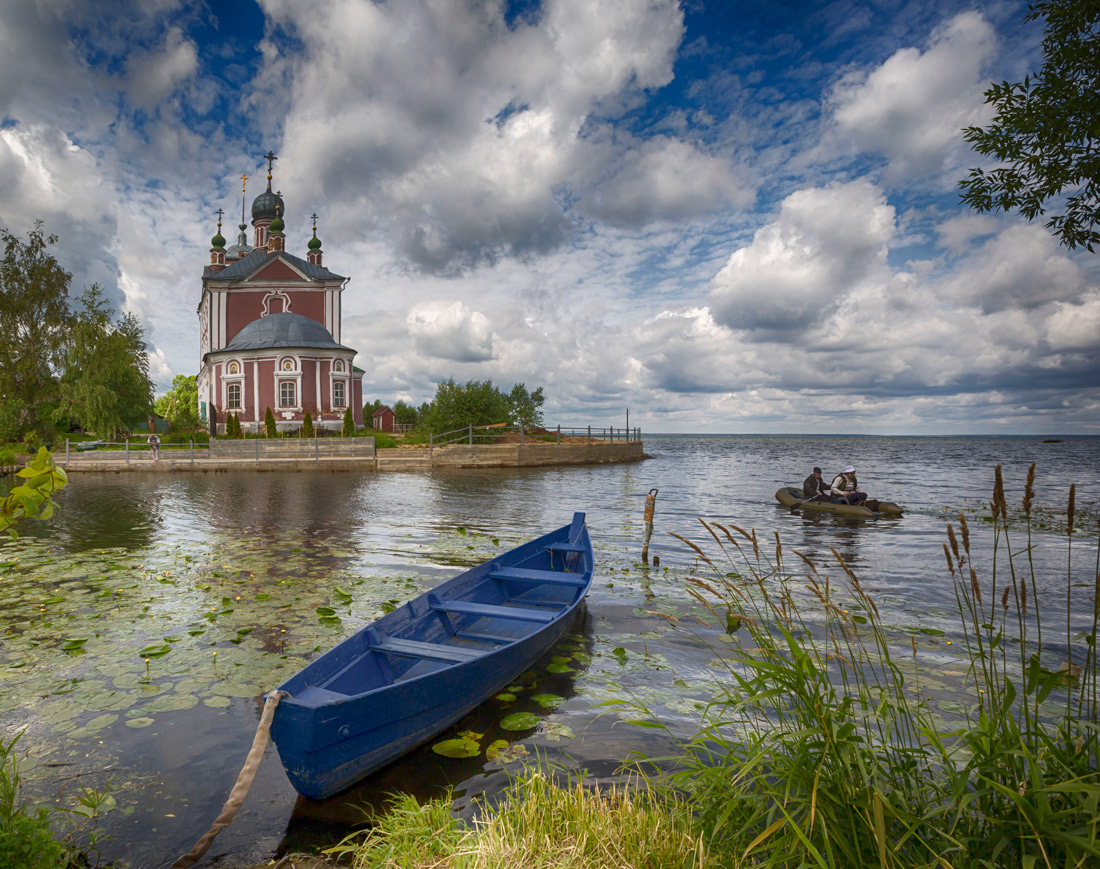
(351, 454)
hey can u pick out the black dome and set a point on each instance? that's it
(264, 206)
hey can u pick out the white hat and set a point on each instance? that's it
(849, 470)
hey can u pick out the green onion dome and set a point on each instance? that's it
(314, 243)
(277, 224)
(217, 241)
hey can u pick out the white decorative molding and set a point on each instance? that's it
(275, 295)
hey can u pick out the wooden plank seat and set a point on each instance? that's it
(554, 577)
(519, 614)
(565, 547)
(428, 651)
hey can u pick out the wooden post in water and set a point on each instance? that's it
(647, 533)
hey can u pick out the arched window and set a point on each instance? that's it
(233, 393)
(288, 394)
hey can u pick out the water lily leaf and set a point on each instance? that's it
(932, 632)
(495, 748)
(73, 645)
(138, 723)
(457, 748)
(562, 659)
(155, 651)
(460, 530)
(548, 701)
(558, 668)
(344, 596)
(325, 611)
(511, 753)
(555, 731)
(519, 721)
(505, 697)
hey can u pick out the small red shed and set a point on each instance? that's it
(383, 419)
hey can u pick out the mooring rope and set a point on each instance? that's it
(244, 782)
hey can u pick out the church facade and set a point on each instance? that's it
(269, 330)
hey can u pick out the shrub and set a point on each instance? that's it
(269, 424)
(25, 837)
(349, 423)
(307, 426)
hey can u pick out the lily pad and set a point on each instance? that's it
(505, 697)
(519, 721)
(555, 731)
(511, 753)
(558, 668)
(138, 723)
(495, 748)
(457, 748)
(548, 701)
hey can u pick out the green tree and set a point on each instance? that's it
(34, 320)
(106, 385)
(405, 413)
(349, 423)
(525, 407)
(307, 425)
(32, 497)
(269, 424)
(1047, 130)
(370, 407)
(180, 404)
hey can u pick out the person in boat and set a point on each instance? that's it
(813, 487)
(845, 489)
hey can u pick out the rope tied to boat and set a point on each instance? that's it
(244, 782)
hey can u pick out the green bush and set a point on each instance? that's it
(382, 440)
(26, 841)
(269, 424)
(307, 426)
(7, 455)
(349, 423)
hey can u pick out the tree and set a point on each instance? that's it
(405, 413)
(525, 407)
(180, 404)
(1047, 130)
(32, 497)
(478, 402)
(34, 320)
(349, 423)
(106, 385)
(269, 424)
(307, 426)
(370, 407)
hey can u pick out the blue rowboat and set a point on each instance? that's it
(414, 672)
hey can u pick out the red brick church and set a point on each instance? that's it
(269, 330)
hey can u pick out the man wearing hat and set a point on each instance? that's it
(813, 487)
(845, 489)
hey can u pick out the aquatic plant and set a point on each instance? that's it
(819, 751)
(542, 825)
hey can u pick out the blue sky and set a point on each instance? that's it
(726, 217)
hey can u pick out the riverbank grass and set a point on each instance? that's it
(542, 825)
(823, 749)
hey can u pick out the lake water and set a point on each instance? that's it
(111, 614)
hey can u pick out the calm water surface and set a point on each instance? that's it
(156, 574)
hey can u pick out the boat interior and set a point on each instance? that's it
(478, 612)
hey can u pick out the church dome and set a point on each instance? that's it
(267, 206)
(283, 330)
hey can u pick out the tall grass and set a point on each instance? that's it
(818, 752)
(542, 826)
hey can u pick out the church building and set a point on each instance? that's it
(269, 330)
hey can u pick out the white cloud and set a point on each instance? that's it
(912, 108)
(155, 74)
(824, 244)
(451, 331)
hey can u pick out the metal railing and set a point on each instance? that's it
(135, 448)
(488, 433)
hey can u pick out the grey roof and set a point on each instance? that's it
(244, 268)
(282, 330)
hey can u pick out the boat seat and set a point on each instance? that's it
(566, 547)
(520, 614)
(554, 577)
(428, 651)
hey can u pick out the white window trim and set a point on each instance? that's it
(275, 295)
(297, 381)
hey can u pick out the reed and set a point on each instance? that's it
(819, 752)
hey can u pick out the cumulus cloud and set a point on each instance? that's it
(460, 136)
(825, 243)
(912, 107)
(451, 331)
(153, 75)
